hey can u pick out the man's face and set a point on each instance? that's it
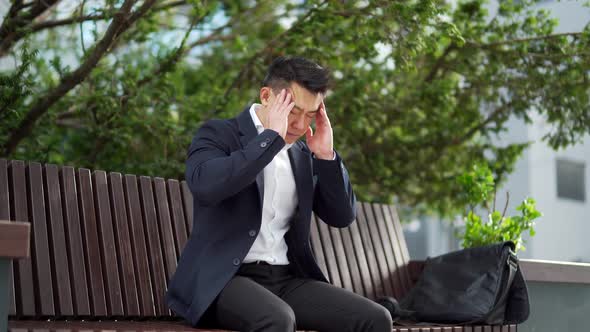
(307, 105)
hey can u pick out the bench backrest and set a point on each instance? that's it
(105, 244)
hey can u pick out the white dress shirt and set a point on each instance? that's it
(279, 204)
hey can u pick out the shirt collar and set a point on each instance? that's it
(258, 123)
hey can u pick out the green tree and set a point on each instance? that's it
(123, 86)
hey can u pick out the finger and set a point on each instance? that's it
(324, 114)
(281, 97)
(308, 133)
(288, 108)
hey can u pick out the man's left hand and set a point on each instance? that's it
(321, 142)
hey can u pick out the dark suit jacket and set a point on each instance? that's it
(224, 173)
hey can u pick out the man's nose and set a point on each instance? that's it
(298, 123)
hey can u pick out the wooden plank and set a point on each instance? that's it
(375, 239)
(316, 246)
(178, 217)
(165, 227)
(41, 248)
(353, 265)
(23, 269)
(138, 244)
(398, 251)
(126, 264)
(388, 251)
(187, 198)
(361, 259)
(60, 264)
(75, 244)
(399, 234)
(14, 239)
(91, 242)
(109, 251)
(369, 250)
(157, 268)
(341, 258)
(5, 215)
(329, 254)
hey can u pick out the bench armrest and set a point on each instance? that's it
(14, 239)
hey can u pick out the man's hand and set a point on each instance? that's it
(321, 142)
(278, 113)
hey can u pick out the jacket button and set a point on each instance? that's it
(263, 144)
(252, 233)
(236, 262)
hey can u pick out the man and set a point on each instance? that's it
(248, 264)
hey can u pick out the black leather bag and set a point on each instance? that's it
(475, 285)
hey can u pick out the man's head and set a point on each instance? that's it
(306, 81)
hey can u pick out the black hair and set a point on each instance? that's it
(286, 69)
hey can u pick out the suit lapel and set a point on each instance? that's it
(247, 133)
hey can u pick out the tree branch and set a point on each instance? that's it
(15, 22)
(439, 63)
(122, 20)
(34, 27)
(521, 40)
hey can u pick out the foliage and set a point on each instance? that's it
(420, 88)
(478, 185)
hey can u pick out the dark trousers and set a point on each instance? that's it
(262, 297)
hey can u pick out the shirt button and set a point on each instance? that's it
(263, 144)
(252, 233)
(236, 262)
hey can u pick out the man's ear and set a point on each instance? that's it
(265, 94)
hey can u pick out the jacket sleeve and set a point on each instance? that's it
(334, 200)
(213, 173)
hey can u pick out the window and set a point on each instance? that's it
(571, 180)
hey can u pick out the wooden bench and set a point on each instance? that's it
(104, 246)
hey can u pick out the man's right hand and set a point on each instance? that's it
(278, 113)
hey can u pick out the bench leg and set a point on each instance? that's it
(4, 289)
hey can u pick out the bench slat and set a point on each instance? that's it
(140, 253)
(165, 227)
(329, 253)
(178, 217)
(125, 256)
(76, 247)
(91, 244)
(109, 252)
(24, 285)
(154, 245)
(316, 245)
(393, 272)
(187, 198)
(375, 274)
(378, 245)
(341, 259)
(361, 258)
(41, 261)
(353, 266)
(396, 240)
(5, 215)
(60, 266)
